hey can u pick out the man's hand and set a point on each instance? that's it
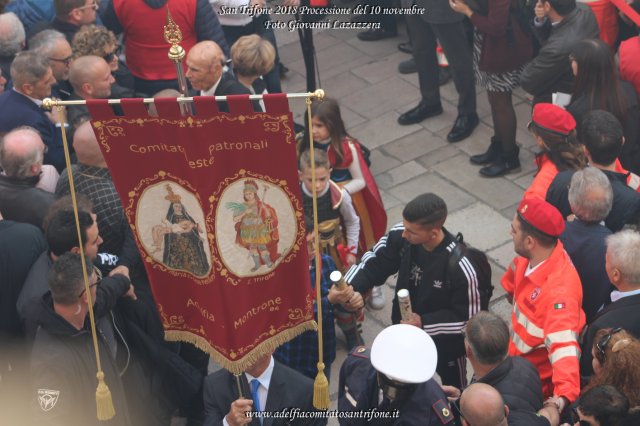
(355, 303)
(452, 392)
(120, 270)
(131, 293)
(292, 3)
(237, 413)
(339, 297)
(414, 319)
(257, 3)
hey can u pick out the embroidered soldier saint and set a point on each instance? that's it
(256, 225)
(179, 234)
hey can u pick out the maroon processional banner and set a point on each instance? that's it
(214, 204)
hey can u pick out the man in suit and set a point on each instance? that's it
(439, 23)
(622, 263)
(205, 71)
(267, 386)
(32, 81)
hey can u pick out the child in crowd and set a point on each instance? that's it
(350, 171)
(336, 216)
(301, 353)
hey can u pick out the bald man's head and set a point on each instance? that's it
(482, 405)
(91, 77)
(22, 152)
(205, 61)
(86, 146)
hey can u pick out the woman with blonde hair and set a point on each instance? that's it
(252, 57)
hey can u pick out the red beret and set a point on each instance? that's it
(554, 118)
(542, 216)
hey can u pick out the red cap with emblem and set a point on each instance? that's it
(554, 118)
(542, 216)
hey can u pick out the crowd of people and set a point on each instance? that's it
(571, 352)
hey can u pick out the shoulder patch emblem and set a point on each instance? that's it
(360, 352)
(535, 293)
(441, 408)
(47, 398)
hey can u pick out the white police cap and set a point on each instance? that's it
(404, 353)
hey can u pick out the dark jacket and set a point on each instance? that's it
(585, 244)
(21, 201)
(623, 313)
(550, 71)
(444, 303)
(505, 46)
(68, 29)
(20, 246)
(19, 110)
(358, 391)
(630, 155)
(288, 389)
(518, 382)
(63, 373)
(626, 201)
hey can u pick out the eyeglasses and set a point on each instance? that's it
(65, 61)
(575, 416)
(108, 57)
(602, 344)
(97, 283)
(93, 5)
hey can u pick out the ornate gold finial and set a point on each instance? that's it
(48, 103)
(319, 94)
(173, 35)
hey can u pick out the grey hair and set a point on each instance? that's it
(28, 68)
(623, 249)
(45, 41)
(66, 280)
(12, 34)
(19, 166)
(488, 337)
(590, 195)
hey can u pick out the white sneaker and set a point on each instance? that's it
(377, 300)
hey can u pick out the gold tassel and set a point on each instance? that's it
(103, 399)
(321, 390)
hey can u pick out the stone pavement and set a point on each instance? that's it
(409, 160)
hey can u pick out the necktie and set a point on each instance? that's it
(255, 385)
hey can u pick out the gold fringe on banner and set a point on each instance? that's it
(237, 367)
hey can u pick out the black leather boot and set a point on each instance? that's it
(506, 163)
(491, 155)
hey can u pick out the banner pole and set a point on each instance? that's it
(173, 36)
(321, 385)
(49, 103)
(104, 402)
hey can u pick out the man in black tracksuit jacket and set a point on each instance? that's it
(418, 251)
